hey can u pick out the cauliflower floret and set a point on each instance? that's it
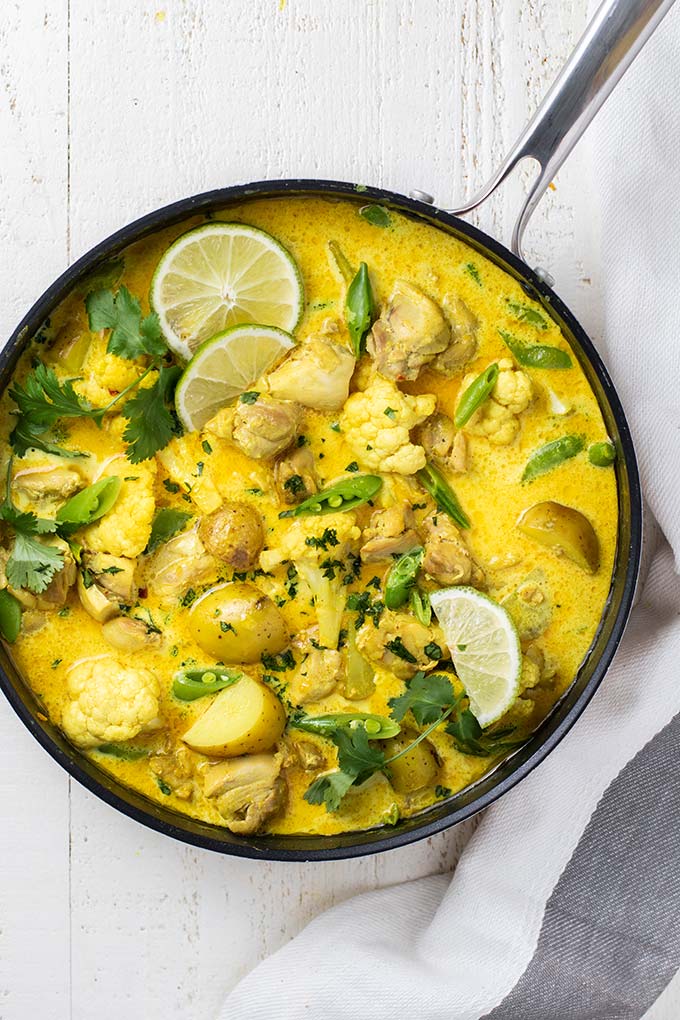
(125, 529)
(497, 418)
(110, 702)
(318, 549)
(513, 387)
(104, 375)
(377, 423)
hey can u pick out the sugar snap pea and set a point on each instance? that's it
(88, 505)
(420, 606)
(378, 727)
(10, 616)
(552, 455)
(190, 684)
(475, 395)
(401, 577)
(535, 355)
(433, 481)
(344, 495)
(602, 454)
(359, 309)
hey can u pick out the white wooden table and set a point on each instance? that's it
(107, 110)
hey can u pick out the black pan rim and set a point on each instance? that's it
(370, 841)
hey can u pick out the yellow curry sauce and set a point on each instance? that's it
(198, 472)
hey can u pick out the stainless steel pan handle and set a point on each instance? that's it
(609, 45)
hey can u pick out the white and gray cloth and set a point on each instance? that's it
(566, 902)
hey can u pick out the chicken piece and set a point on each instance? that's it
(316, 374)
(309, 756)
(410, 332)
(248, 790)
(266, 427)
(45, 486)
(56, 593)
(442, 443)
(115, 575)
(398, 643)
(497, 419)
(125, 529)
(179, 564)
(391, 532)
(316, 676)
(129, 634)
(177, 770)
(447, 558)
(295, 475)
(377, 424)
(463, 345)
(181, 459)
(233, 534)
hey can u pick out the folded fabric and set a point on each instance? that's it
(566, 902)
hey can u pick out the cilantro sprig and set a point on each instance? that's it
(43, 399)
(431, 700)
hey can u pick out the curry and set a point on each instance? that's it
(310, 549)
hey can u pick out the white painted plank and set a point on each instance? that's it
(34, 849)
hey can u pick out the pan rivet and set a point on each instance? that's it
(421, 196)
(544, 276)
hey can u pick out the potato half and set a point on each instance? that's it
(563, 529)
(246, 718)
(237, 623)
(415, 769)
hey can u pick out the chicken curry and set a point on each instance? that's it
(309, 516)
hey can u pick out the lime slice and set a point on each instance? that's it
(485, 649)
(219, 275)
(224, 367)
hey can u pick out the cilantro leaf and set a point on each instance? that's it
(131, 335)
(23, 438)
(166, 524)
(43, 400)
(356, 757)
(329, 789)
(470, 738)
(151, 425)
(426, 697)
(32, 564)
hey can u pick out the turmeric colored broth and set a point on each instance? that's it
(490, 491)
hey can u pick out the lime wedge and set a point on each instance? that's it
(485, 649)
(220, 275)
(225, 366)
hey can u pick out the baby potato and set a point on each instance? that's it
(246, 718)
(565, 530)
(415, 769)
(237, 623)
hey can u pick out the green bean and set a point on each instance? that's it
(535, 355)
(190, 684)
(10, 616)
(125, 752)
(359, 309)
(88, 505)
(420, 606)
(434, 482)
(475, 395)
(344, 495)
(552, 455)
(602, 454)
(378, 727)
(401, 577)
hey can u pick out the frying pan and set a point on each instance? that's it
(617, 33)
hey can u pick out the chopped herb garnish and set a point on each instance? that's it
(249, 397)
(398, 648)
